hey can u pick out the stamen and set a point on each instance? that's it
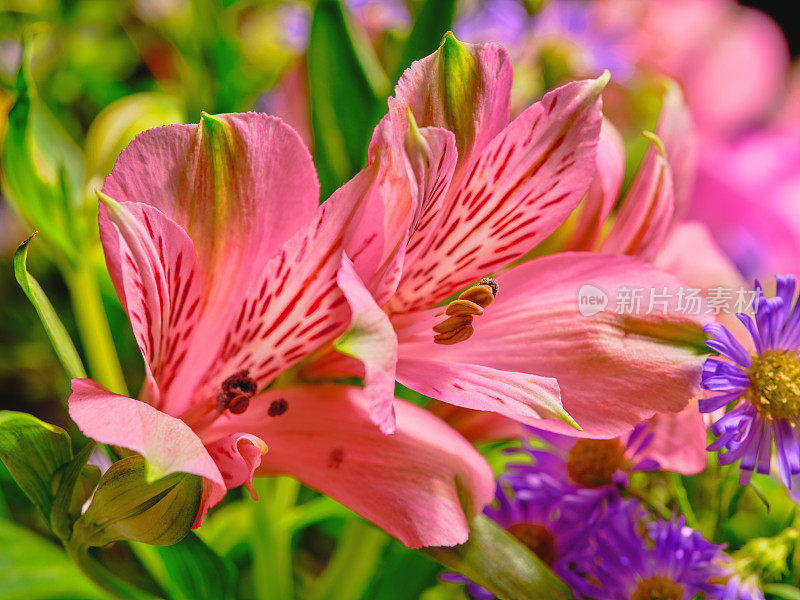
(775, 385)
(470, 303)
(657, 588)
(592, 463)
(236, 393)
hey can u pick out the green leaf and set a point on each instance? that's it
(58, 335)
(195, 572)
(434, 19)
(34, 569)
(43, 175)
(781, 590)
(346, 87)
(33, 451)
(493, 559)
(126, 506)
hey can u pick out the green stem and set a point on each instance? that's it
(104, 578)
(272, 540)
(354, 563)
(656, 507)
(90, 316)
(679, 490)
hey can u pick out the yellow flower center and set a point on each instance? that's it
(537, 539)
(592, 463)
(657, 588)
(775, 384)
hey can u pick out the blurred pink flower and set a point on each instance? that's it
(227, 268)
(747, 191)
(730, 60)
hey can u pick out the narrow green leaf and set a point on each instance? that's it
(433, 20)
(493, 559)
(346, 88)
(34, 569)
(353, 564)
(195, 572)
(58, 335)
(43, 175)
(781, 590)
(33, 451)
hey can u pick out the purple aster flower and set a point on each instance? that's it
(766, 386)
(503, 21)
(627, 559)
(598, 44)
(592, 470)
(541, 517)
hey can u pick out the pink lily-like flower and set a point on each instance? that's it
(490, 192)
(227, 268)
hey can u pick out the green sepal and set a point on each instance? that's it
(126, 507)
(58, 335)
(72, 486)
(495, 560)
(33, 451)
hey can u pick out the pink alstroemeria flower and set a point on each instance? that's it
(227, 268)
(489, 192)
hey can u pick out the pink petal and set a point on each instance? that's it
(225, 181)
(679, 441)
(691, 254)
(423, 484)
(192, 266)
(371, 339)
(613, 369)
(167, 444)
(420, 90)
(155, 271)
(603, 191)
(292, 307)
(237, 457)
(433, 157)
(676, 130)
(520, 396)
(523, 185)
(646, 211)
(477, 426)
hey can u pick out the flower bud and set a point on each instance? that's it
(126, 506)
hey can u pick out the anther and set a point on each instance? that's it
(236, 393)
(470, 303)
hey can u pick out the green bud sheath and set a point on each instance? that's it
(126, 507)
